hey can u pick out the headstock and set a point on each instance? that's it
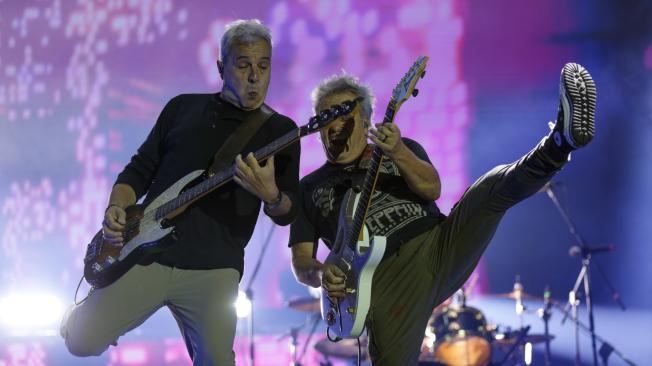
(326, 116)
(406, 87)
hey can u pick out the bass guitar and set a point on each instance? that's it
(148, 229)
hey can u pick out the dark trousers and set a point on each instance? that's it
(432, 266)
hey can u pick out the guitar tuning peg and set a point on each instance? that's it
(415, 92)
(423, 74)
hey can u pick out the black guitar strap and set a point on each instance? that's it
(239, 138)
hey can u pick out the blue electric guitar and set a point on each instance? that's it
(355, 252)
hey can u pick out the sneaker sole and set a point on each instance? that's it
(578, 93)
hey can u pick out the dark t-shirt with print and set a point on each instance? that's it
(395, 212)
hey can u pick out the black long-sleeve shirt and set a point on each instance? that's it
(212, 232)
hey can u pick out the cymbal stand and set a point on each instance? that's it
(294, 333)
(518, 292)
(316, 317)
(522, 333)
(546, 313)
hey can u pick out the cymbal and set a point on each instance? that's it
(511, 338)
(514, 295)
(307, 304)
(346, 348)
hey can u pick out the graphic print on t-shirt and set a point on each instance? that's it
(388, 213)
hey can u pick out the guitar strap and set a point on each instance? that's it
(365, 158)
(239, 138)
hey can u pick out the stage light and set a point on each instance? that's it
(30, 313)
(242, 305)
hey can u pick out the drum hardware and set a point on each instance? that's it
(605, 349)
(518, 296)
(521, 335)
(293, 333)
(511, 337)
(305, 304)
(250, 294)
(545, 314)
(344, 349)
(512, 295)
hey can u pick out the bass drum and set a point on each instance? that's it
(462, 337)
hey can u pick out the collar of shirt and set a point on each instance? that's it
(361, 163)
(225, 110)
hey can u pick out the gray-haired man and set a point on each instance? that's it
(429, 255)
(197, 279)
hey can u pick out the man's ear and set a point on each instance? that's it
(220, 68)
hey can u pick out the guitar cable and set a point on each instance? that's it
(328, 328)
(77, 291)
(337, 338)
(359, 350)
(339, 314)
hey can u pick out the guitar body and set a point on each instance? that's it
(104, 263)
(358, 259)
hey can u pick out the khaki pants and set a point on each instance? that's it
(200, 300)
(432, 266)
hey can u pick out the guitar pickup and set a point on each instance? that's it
(97, 267)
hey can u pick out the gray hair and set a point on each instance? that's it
(345, 83)
(243, 31)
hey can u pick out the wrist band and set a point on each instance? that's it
(277, 201)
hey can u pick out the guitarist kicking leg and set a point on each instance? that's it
(197, 278)
(427, 256)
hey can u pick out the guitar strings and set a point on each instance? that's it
(333, 113)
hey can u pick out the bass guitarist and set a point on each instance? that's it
(197, 279)
(428, 255)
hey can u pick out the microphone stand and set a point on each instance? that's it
(250, 294)
(584, 275)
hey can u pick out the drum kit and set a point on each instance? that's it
(457, 334)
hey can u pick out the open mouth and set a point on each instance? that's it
(252, 94)
(338, 139)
